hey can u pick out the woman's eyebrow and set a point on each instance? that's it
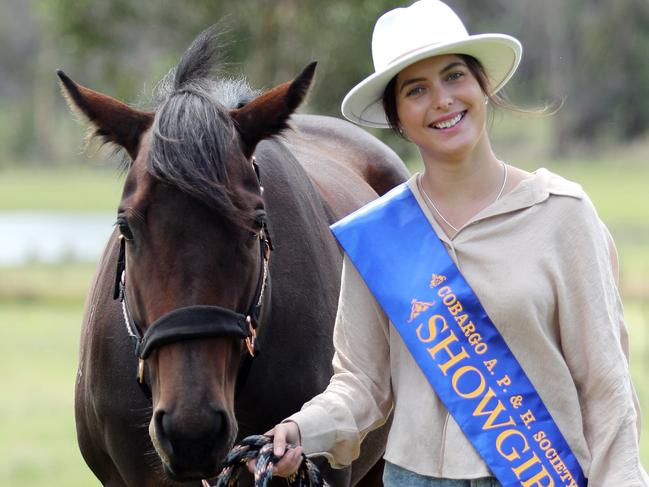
(451, 66)
(410, 82)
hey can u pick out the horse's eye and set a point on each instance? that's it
(126, 232)
(258, 225)
(124, 229)
(260, 218)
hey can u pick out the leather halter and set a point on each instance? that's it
(198, 321)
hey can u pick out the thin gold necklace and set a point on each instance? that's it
(439, 213)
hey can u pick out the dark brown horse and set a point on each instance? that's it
(194, 223)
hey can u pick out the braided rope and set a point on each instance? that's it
(261, 448)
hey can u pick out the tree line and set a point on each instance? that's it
(591, 55)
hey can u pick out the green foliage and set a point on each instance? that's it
(610, 76)
(590, 53)
(274, 39)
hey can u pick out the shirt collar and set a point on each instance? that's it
(527, 193)
(535, 190)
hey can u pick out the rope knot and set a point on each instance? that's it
(260, 447)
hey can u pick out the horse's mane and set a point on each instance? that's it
(192, 129)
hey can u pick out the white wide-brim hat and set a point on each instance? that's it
(427, 28)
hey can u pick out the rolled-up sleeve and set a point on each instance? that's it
(359, 397)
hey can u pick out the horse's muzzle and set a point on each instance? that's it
(192, 448)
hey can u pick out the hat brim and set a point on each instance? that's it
(499, 54)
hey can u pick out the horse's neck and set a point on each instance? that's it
(289, 191)
(299, 224)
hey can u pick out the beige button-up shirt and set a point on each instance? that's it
(543, 266)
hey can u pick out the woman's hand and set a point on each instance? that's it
(290, 458)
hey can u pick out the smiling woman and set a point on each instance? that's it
(505, 381)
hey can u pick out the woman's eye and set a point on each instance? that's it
(417, 90)
(455, 76)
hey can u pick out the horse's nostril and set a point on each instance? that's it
(220, 423)
(162, 426)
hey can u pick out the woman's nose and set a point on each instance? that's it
(443, 100)
(441, 97)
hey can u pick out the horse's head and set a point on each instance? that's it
(191, 220)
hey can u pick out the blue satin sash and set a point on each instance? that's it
(454, 342)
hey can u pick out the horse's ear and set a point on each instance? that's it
(268, 114)
(112, 120)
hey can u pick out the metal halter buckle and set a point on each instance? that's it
(140, 371)
(250, 341)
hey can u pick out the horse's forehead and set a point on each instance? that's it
(139, 181)
(145, 146)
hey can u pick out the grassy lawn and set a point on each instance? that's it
(637, 318)
(68, 188)
(39, 344)
(60, 283)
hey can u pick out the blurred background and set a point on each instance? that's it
(57, 200)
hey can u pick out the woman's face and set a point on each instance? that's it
(441, 108)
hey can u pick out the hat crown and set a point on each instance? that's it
(404, 30)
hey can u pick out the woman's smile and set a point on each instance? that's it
(448, 122)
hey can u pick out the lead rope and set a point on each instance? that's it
(260, 447)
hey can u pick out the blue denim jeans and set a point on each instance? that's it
(394, 476)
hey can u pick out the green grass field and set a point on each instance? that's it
(39, 340)
(41, 307)
(66, 188)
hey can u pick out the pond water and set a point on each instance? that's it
(51, 237)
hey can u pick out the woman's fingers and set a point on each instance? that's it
(279, 440)
(289, 463)
(284, 435)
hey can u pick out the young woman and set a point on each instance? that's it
(536, 258)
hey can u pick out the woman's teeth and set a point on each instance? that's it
(447, 124)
